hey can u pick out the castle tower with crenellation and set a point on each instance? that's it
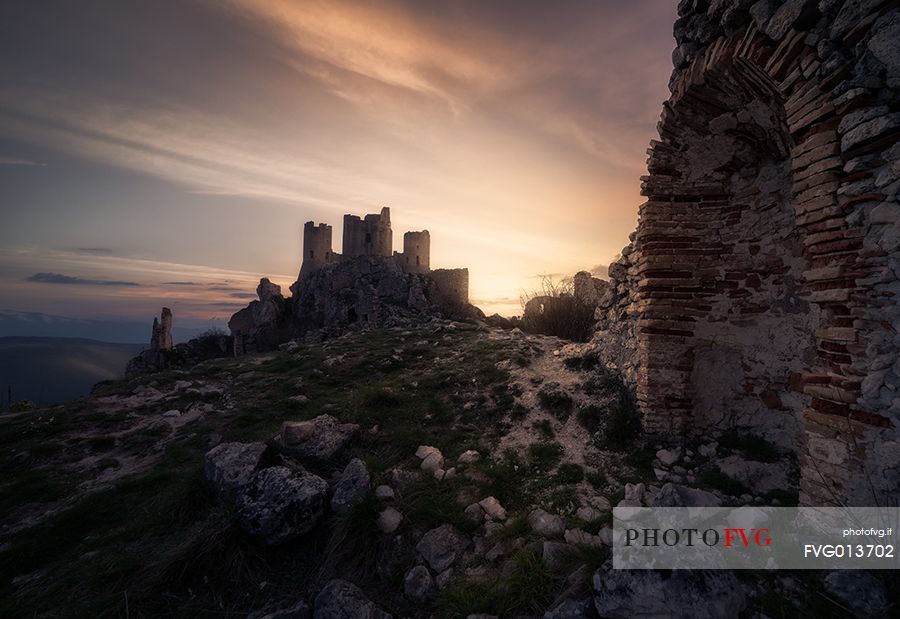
(316, 247)
(416, 254)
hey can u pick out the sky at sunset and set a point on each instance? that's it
(168, 152)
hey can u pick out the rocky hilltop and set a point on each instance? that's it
(446, 470)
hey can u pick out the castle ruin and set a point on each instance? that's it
(371, 236)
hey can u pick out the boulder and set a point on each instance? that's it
(228, 467)
(340, 599)
(352, 487)
(279, 504)
(546, 524)
(384, 492)
(701, 594)
(318, 440)
(441, 547)
(571, 609)
(577, 537)
(418, 584)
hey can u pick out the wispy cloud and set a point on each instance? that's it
(21, 162)
(57, 278)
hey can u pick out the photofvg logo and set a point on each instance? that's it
(754, 538)
(730, 537)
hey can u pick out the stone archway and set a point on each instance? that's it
(722, 322)
(759, 284)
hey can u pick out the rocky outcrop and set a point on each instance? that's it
(263, 324)
(162, 355)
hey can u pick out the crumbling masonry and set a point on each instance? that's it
(759, 290)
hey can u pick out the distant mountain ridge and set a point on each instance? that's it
(36, 324)
(50, 370)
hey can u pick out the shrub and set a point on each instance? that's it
(554, 310)
(590, 418)
(557, 403)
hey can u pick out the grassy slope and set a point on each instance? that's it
(155, 542)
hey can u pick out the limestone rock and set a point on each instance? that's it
(668, 456)
(340, 599)
(468, 457)
(389, 520)
(577, 537)
(318, 440)
(543, 523)
(571, 609)
(228, 467)
(701, 594)
(418, 584)
(492, 508)
(384, 492)
(279, 504)
(441, 547)
(351, 488)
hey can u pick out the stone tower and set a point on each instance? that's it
(416, 252)
(316, 247)
(370, 236)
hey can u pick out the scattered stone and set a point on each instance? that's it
(172, 413)
(588, 514)
(299, 399)
(546, 524)
(441, 547)
(351, 488)
(340, 599)
(668, 457)
(674, 495)
(601, 503)
(300, 610)
(492, 508)
(708, 450)
(701, 594)
(317, 440)
(389, 520)
(423, 451)
(577, 537)
(571, 609)
(279, 504)
(468, 457)
(418, 584)
(433, 462)
(228, 467)
(384, 492)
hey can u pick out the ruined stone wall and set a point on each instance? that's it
(370, 236)
(452, 285)
(760, 283)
